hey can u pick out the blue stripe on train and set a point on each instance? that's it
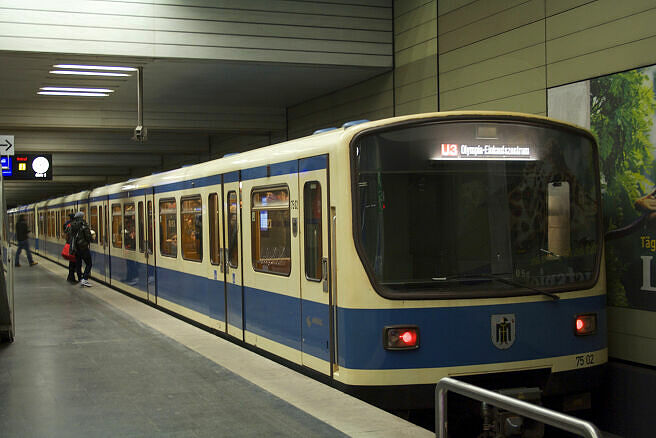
(448, 336)
(463, 335)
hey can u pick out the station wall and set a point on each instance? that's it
(502, 55)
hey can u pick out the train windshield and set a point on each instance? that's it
(477, 208)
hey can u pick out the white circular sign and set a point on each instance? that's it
(40, 165)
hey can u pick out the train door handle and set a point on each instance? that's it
(324, 273)
(222, 260)
(295, 226)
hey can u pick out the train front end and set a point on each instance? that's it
(479, 238)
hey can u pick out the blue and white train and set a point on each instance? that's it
(383, 255)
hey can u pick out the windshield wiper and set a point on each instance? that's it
(547, 252)
(492, 277)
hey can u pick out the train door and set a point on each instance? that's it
(233, 260)
(107, 265)
(270, 231)
(151, 287)
(315, 296)
(215, 240)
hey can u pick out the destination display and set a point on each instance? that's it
(486, 151)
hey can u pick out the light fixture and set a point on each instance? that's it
(87, 73)
(69, 93)
(94, 67)
(78, 89)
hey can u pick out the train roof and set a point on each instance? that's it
(316, 144)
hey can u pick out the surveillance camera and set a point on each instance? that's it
(140, 134)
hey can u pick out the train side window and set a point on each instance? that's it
(271, 231)
(100, 225)
(142, 236)
(117, 228)
(313, 226)
(191, 224)
(84, 211)
(150, 226)
(93, 218)
(168, 238)
(42, 224)
(129, 226)
(233, 236)
(215, 247)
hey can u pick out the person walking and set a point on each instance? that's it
(81, 237)
(72, 264)
(22, 232)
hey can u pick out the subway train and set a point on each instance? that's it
(379, 256)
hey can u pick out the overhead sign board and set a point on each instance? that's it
(7, 145)
(27, 167)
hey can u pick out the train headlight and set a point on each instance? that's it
(401, 337)
(585, 324)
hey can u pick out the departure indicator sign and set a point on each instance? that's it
(27, 167)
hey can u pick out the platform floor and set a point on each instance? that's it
(91, 362)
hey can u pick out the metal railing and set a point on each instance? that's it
(525, 409)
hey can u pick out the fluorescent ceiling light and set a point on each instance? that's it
(87, 73)
(94, 67)
(78, 89)
(68, 93)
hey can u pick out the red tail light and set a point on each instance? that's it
(401, 337)
(585, 324)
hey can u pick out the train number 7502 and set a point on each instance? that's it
(585, 360)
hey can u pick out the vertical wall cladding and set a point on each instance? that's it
(415, 56)
(372, 99)
(349, 32)
(586, 39)
(492, 55)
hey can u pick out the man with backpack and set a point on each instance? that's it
(81, 237)
(72, 264)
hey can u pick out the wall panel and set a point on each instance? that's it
(276, 30)
(599, 38)
(372, 99)
(495, 89)
(532, 102)
(492, 56)
(415, 57)
(463, 27)
(491, 48)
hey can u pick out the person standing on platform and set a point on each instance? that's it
(22, 232)
(72, 264)
(81, 237)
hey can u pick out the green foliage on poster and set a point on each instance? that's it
(622, 106)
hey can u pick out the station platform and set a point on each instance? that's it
(94, 362)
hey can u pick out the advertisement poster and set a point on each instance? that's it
(620, 110)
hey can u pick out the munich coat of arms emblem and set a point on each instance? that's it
(503, 330)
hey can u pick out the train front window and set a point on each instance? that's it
(450, 208)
